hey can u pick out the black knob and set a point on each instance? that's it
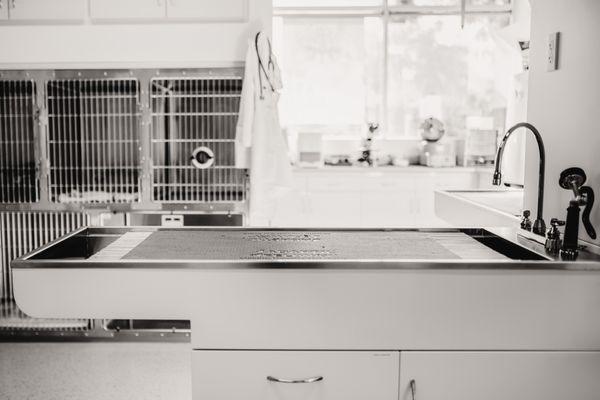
(572, 175)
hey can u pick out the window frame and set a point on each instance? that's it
(387, 12)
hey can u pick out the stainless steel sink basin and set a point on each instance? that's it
(297, 291)
(312, 248)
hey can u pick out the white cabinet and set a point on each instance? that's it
(324, 375)
(192, 10)
(333, 200)
(388, 210)
(370, 198)
(128, 9)
(4, 10)
(44, 10)
(500, 375)
(208, 10)
(387, 201)
(334, 209)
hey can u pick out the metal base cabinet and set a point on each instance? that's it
(392, 375)
(499, 375)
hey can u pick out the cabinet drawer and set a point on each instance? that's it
(208, 10)
(334, 183)
(321, 375)
(43, 10)
(128, 10)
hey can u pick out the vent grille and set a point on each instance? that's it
(20, 233)
(18, 171)
(93, 140)
(188, 114)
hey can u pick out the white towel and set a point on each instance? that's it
(260, 144)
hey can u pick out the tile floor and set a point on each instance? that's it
(95, 371)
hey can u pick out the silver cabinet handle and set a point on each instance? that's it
(413, 389)
(13, 4)
(308, 380)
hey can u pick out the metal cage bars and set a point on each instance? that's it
(188, 114)
(93, 140)
(102, 138)
(18, 165)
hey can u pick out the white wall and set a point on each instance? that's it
(89, 45)
(565, 104)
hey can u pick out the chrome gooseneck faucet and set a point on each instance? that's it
(539, 226)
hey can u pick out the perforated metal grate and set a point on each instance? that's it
(18, 167)
(188, 114)
(20, 233)
(93, 140)
(294, 245)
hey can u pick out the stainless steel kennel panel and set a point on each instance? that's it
(20, 233)
(196, 116)
(94, 140)
(18, 166)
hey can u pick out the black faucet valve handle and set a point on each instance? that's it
(570, 177)
(588, 192)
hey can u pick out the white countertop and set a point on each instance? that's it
(389, 169)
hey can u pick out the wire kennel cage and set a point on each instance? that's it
(193, 138)
(78, 145)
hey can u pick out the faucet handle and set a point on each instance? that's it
(553, 241)
(553, 232)
(588, 192)
(525, 221)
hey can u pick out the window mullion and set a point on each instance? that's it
(384, 84)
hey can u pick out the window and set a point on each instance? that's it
(347, 63)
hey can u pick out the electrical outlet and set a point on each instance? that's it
(552, 60)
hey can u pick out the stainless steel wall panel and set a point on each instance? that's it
(20, 233)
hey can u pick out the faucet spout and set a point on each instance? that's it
(539, 226)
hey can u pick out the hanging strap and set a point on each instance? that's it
(261, 66)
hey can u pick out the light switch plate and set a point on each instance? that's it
(552, 57)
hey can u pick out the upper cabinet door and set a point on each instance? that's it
(208, 10)
(44, 10)
(128, 9)
(3, 10)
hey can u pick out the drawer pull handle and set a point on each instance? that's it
(308, 380)
(413, 389)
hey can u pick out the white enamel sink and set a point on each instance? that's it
(471, 208)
